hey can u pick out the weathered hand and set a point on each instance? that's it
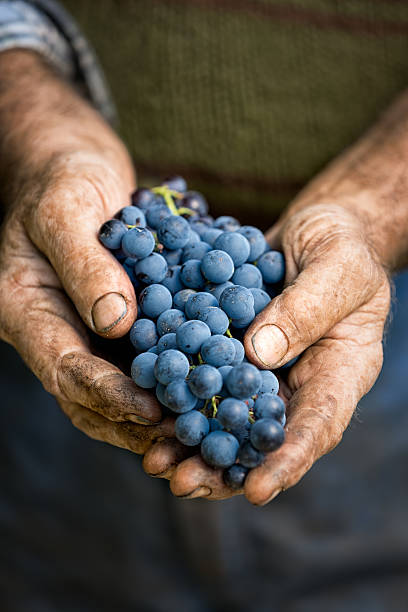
(332, 311)
(52, 270)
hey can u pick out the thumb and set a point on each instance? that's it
(332, 283)
(65, 228)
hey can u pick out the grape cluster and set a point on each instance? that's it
(200, 282)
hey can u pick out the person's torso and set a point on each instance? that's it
(246, 98)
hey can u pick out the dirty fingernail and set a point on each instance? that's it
(199, 492)
(107, 311)
(270, 344)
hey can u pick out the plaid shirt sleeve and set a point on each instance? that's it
(44, 26)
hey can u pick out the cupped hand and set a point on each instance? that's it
(57, 282)
(332, 312)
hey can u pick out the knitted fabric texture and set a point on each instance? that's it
(246, 98)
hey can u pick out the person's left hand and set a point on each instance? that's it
(332, 311)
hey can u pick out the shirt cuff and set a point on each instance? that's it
(44, 26)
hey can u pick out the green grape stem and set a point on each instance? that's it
(168, 195)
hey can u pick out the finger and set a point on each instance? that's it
(103, 388)
(329, 380)
(193, 478)
(132, 437)
(39, 321)
(332, 281)
(163, 457)
(64, 226)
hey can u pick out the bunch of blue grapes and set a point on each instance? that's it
(200, 282)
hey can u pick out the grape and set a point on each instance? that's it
(196, 202)
(215, 318)
(181, 297)
(138, 243)
(197, 302)
(261, 299)
(269, 406)
(132, 215)
(236, 245)
(142, 370)
(249, 457)
(267, 435)
(219, 449)
(205, 381)
(170, 365)
(224, 371)
(208, 219)
(129, 265)
(218, 351)
(200, 224)
(191, 274)
(241, 433)
(112, 233)
(169, 321)
(245, 321)
(193, 238)
(211, 235)
(232, 413)
(173, 258)
(176, 183)
(215, 425)
(154, 300)
(154, 349)
(191, 335)
(234, 476)
(197, 250)
(173, 232)
(143, 334)
(217, 266)
(244, 380)
(256, 241)
(216, 290)
(227, 224)
(237, 302)
(191, 427)
(270, 383)
(166, 342)
(247, 275)
(239, 351)
(161, 394)
(155, 214)
(272, 266)
(151, 269)
(143, 198)
(172, 280)
(179, 397)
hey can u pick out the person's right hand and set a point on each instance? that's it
(55, 275)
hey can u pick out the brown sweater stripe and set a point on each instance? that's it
(292, 14)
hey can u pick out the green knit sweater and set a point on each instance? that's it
(248, 99)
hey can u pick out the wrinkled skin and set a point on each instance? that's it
(50, 260)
